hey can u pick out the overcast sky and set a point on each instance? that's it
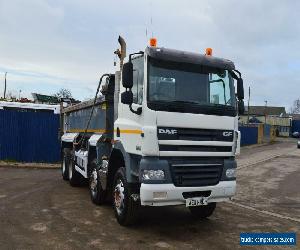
(46, 45)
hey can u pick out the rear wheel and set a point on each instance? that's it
(65, 163)
(98, 195)
(126, 209)
(202, 212)
(75, 178)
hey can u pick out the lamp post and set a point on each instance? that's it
(4, 93)
(266, 104)
(248, 107)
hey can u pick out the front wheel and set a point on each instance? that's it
(125, 208)
(202, 212)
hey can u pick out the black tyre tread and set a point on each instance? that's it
(67, 157)
(132, 207)
(203, 212)
(101, 196)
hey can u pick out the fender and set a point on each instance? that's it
(131, 163)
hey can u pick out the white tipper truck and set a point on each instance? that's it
(163, 132)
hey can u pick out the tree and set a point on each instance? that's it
(63, 93)
(295, 109)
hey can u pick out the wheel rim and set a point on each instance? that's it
(119, 196)
(93, 182)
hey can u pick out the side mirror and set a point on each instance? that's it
(127, 75)
(241, 107)
(127, 97)
(240, 89)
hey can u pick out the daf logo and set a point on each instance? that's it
(167, 131)
(227, 134)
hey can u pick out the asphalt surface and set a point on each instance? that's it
(38, 210)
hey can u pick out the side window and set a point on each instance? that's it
(220, 89)
(138, 79)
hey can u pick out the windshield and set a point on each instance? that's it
(190, 84)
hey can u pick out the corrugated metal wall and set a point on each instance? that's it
(296, 126)
(257, 134)
(249, 135)
(29, 136)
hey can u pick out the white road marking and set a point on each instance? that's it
(265, 212)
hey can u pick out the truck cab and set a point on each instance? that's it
(175, 134)
(178, 119)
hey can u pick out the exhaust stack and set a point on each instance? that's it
(121, 53)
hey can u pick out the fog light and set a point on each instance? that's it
(153, 175)
(231, 173)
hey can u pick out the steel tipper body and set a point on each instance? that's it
(168, 134)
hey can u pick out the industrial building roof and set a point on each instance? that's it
(29, 106)
(263, 110)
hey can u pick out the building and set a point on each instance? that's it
(46, 99)
(49, 99)
(270, 115)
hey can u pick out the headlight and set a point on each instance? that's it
(231, 173)
(153, 175)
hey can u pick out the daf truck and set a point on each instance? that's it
(162, 132)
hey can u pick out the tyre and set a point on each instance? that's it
(202, 212)
(65, 163)
(125, 208)
(75, 178)
(98, 195)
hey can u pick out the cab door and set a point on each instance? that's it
(128, 126)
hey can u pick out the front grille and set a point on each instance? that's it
(190, 134)
(187, 195)
(196, 148)
(201, 172)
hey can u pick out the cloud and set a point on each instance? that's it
(71, 43)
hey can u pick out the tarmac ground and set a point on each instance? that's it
(38, 210)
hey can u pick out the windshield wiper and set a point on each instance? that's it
(184, 102)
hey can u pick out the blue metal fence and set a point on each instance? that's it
(29, 136)
(295, 126)
(249, 135)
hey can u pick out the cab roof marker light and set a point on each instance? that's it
(153, 42)
(208, 52)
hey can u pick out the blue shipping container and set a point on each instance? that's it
(29, 136)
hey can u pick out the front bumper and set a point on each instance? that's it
(174, 195)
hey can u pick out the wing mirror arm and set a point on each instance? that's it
(138, 111)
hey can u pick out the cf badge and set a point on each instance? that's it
(226, 133)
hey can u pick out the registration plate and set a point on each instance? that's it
(194, 202)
